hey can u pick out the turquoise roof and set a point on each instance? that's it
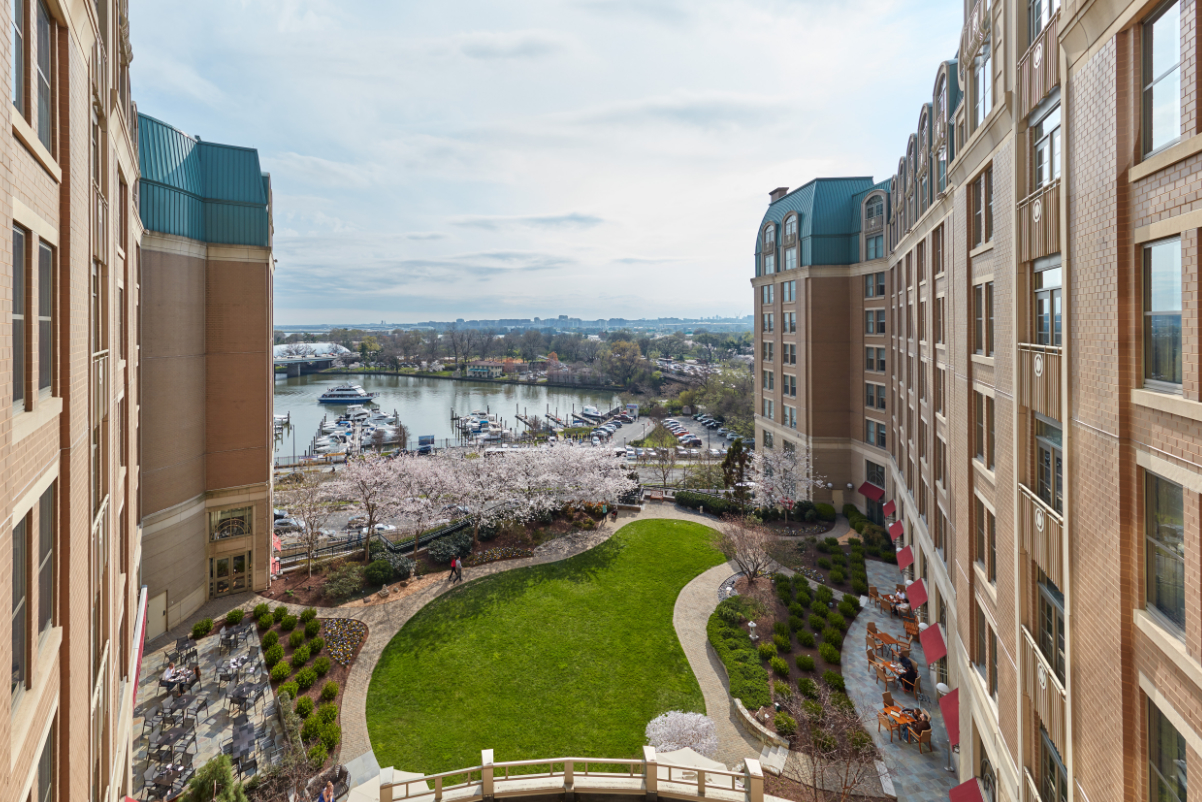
(202, 190)
(829, 219)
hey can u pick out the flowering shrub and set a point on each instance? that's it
(676, 730)
(493, 555)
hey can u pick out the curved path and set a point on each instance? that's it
(693, 608)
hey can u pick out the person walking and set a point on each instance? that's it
(458, 569)
(451, 576)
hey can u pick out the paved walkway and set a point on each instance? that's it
(694, 606)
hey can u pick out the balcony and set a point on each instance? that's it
(976, 31)
(1043, 689)
(1039, 223)
(1039, 68)
(1042, 532)
(790, 240)
(875, 224)
(1031, 787)
(1039, 378)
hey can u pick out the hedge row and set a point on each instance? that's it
(748, 679)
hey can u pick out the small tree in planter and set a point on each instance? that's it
(831, 733)
(674, 730)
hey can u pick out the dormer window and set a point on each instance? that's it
(769, 238)
(876, 208)
(790, 227)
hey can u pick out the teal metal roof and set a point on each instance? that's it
(829, 219)
(201, 190)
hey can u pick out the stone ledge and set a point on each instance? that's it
(756, 729)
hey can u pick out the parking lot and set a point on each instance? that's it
(710, 439)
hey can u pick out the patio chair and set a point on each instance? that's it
(342, 779)
(224, 677)
(902, 651)
(900, 588)
(872, 658)
(154, 717)
(886, 720)
(921, 738)
(887, 699)
(872, 626)
(250, 767)
(914, 688)
(881, 676)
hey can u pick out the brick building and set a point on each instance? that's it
(1017, 369)
(69, 441)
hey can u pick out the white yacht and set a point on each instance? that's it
(346, 394)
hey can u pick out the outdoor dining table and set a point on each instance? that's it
(181, 702)
(244, 741)
(167, 779)
(895, 713)
(172, 735)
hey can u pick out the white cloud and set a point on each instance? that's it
(509, 45)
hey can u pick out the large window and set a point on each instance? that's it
(18, 316)
(1166, 758)
(18, 7)
(874, 396)
(47, 537)
(1046, 136)
(790, 259)
(788, 291)
(874, 433)
(1049, 447)
(982, 295)
(1053, 777)
(982, 85)
(876, 210)
(874, 285)
(1046, 286)
(1164, 529)
(986, 530)
(1162, 313)
(45, 108)
(20, 608)
(790, 227)
(875, 473)
(874, 247)
(982, 208)
(1162, 78)
(1051, 624)
(1039, 14)
(230, 523)
(46, 291)
(768, 294)
(984, 429)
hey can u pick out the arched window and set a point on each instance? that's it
(790, 227)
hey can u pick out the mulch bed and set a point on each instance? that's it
(800, 529)
(305, 590)
(803, 556)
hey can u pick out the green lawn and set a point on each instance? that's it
(568, 659)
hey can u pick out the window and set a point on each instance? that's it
(876, 209)
(982, 295)
(1053, 776)
(1164, 530)
(1162, 78)
(790, 227)
(990, 434)
(983, 420)
(766, 352)
(769, 408)
(1046, 136)
(982, 208)
(789, 385)
(18, 316)
(938, 321)
(874, 359)
(937, 251)
(769, 251)
(769, 264)
(1048, 303)
(940, 461)
(46, 767)
(767, 439)
(769, 380)
(875, 473)
(788, 354)
(986, 531)
(45, 109)
(768, 322)
(1049, 447)
(874, 433)
(788, 291)
(1166, 758)
(940, 381)
(20, 611)
(1039, 14)
(1162, 313)
(19, 56)
(874, 247)
(1051, 624)
(790, 417)
(874, 396)
(982, 84)
(791, 259)
(789, 322)
(922, 321)
(231, 523)
(980, 657)
(768, 294)
(47, 535)
(46, 288)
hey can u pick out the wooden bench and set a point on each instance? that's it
(656, 495)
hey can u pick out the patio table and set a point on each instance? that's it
(181, 702)
(170, 737)
(895, 713)
(167, 779)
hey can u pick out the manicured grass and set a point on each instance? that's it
(567, 659)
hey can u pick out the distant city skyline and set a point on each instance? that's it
(504, 160)
(559, 322)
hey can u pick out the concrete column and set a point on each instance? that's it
(651, 773)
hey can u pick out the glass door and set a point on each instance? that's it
(229, 574)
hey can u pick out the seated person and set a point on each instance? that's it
(169, 679)
(922, 722)
(906, 663)
(909, 677)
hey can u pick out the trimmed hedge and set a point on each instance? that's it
(288, 623)
(805, 662)
(329, 691)
(748, 679)
(305, 678)
(281, 671)
(312, 628)
(782, 642)
(711, 504)
(321, 666)
(202, 628)
(829, 654)
(261, 610)
(766, 651)
(308, 615)
(316, 645)
(779, 666)
(296, 638)
(806, 639)
(304, 706)
(234, 617)
(265, 621)
(279, 612)
(271, 639)
(825, 511)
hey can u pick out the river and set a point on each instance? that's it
(424, 405)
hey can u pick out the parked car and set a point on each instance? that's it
(279, 514)
(380, 529)
(289, 525)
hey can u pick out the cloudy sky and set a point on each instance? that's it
(595, 158)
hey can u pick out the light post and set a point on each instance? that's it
(941, 689)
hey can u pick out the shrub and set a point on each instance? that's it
(273, 655)
(779, 667)
(847, 609)
(832, 636)
(837, 621)
(824, 741)
(803, 599)
(808, 688)
(329, 691)
(766, 651)
(859, 586)
(817, 622)
(748, 679)
(402, 566)
(861, 741)
(825, 511)
(328, 712)
(316, 645)
(281, 672)
(270, 639)
(782, 642)
(304, 706)
(300, 657)
(265, 621)
(261, 610)
(288, 623)
(829, 654)
(784, 723)
(318, 755)
(307, 615)
(312, 627)
(321, 666)
(824, 563)
(782, 690)
(854, 601)
(834, 681)
(296, 638)
(202, 628)
(797, 610)
(344, 582)
(378, 573)
(711, 504)
(824, 595)
(780, 627)
(805, 662)
(331, 734)
(831, 542)
(444, 548)
(837, 576)
(305, 678)
(279, 612)
(311, 729)
(489, 530)
(288, 688)
(800, 584)
(806, 639)
(812, 710)
(842, 701)
(853, 542)
(234, 617)
(796, 623)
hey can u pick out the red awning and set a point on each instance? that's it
(889, 508)
(275, 543)
(950, 707)
(871, 491)
(933, 646)
(969, 791)
(905, 557)
(896, 530)
(916, 594)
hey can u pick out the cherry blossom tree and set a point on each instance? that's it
(674, 730)
(310, 497)
(786, 474)
(369, 481)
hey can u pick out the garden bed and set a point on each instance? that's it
(827, 561)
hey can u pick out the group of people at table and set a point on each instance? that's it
(913, 724)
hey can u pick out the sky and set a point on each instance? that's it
(592, 158)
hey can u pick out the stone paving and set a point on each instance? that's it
(915, 778)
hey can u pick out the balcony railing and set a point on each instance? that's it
(1039, 223)
(1039, 68)
(1039, 378)
(1042, 533)
(1032, 789)
(1044, 689)
(875, 224)
(976, 31)
(100, 76)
